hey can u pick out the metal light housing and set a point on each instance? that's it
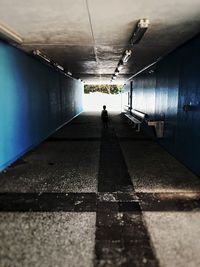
(139, 31)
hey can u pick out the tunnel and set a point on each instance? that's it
(101, 188)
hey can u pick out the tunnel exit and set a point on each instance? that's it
(95, 96)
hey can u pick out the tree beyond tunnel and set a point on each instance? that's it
(106, 88)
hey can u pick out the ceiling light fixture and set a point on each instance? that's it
(69, 73)
(116, 72)
(41, 55)
(10, 35)
(59, 66)
(126, 56)
(151, 71)
(120, 67)
(139, 31)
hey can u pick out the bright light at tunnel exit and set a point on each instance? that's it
(94, 101)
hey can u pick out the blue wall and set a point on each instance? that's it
(35, 100)
(163, 93)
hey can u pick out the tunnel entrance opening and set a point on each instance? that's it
(95, 96)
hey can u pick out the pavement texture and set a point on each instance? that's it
(47, 239)
(89, 196)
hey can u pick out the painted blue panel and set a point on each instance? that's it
(167, 80)
(188, 127)
(144, 93)
(163, 93)
(35, 100)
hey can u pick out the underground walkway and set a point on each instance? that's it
(89, 196)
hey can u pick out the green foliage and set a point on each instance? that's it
(105, 88)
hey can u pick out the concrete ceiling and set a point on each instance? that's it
(88, 37)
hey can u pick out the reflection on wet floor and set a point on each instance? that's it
(93, 197)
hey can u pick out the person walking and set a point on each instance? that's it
(104, 117)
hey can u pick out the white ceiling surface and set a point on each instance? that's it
(88, 37)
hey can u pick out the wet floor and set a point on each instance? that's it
(89, 196)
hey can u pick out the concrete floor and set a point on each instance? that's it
(92, 197)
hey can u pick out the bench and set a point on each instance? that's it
(136, 117)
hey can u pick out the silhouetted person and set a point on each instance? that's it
(104, 117)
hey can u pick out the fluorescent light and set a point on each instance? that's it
(139, 31)
(151, 71)
(59, 66)
(41, 55)
(120, 67)
(143, 23)
(69, 73)
(117, 72)
(126, 56)
(10, 35)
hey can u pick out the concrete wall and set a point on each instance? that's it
(174, 83)
(35, 100)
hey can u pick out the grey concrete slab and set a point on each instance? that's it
(86, 125)
(152, 169)
(175, 237)
(52, 151)
(68, 161)
(47, 239)
(55, 167)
